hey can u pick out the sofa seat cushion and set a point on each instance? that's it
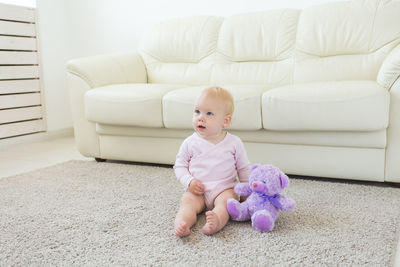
(127, 104)
(327, 106)
(178, 107)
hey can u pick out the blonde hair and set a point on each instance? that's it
(223, 95)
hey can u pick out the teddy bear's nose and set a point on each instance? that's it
(254, 185)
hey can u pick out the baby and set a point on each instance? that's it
(207, 164)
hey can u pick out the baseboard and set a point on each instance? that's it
(37, 137)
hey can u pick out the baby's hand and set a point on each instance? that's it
(196, 187)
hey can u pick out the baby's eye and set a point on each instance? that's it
(197, 111)
(210, 113)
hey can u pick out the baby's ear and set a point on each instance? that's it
(227, 120)
(284, 180)
(255, 166)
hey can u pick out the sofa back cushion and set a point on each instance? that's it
(183, 40)
(263, 36)
(335, 41)
(345, 40)
(174, 49)
(255, 48)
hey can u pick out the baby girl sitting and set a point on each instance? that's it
(207, 164)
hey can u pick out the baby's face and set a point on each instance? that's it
(209, 117)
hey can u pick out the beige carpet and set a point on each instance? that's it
(88, 213)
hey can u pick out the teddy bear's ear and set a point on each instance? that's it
(255, 166)
(284, 180)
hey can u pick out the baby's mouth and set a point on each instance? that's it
(201, 127)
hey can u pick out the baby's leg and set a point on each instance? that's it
(218, 217)
(190, 206)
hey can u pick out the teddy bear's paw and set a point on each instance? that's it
(262, 221)
(232, 206)
(238, 211)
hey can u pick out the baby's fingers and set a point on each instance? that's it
(199, 189)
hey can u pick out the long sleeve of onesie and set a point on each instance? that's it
(243, 167)
(181, 166)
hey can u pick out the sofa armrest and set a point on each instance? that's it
(104, 70)
(392, 157)
(390, 69)
(90, 72)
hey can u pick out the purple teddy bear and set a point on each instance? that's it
(264, 201)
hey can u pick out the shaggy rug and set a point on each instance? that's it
(88, 213)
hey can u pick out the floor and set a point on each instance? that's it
(24, 154)
(34, 152)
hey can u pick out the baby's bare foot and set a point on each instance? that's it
(181, 229)
(212, 225)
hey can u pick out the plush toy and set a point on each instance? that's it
(264, 200)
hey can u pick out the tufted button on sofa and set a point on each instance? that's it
(316, 91)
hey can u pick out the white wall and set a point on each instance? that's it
(27, 3)
(77, 28)
(54, 50)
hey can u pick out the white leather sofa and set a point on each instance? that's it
(317, 91)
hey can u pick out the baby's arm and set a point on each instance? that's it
(243, 167)
(181, 166)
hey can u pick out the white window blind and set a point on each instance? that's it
(21, 99)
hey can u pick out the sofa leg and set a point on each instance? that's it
(100, 159)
